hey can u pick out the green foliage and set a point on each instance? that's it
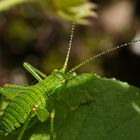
(75, 10)
(6, 4)
(93, 108)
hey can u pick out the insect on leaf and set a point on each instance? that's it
(111, 115)
(89, 107)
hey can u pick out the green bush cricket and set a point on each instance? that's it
(27, 102)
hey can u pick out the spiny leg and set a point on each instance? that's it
(14, 87)
(9, 93)
(37, 74)
(52, 115)
(35, 69)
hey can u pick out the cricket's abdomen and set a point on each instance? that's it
(22, 105)
(19, 109)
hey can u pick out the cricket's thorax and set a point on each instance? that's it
(52, 82)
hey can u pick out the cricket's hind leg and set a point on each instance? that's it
(10, 91)
(10, 94)
(14, 87)
(37, 74)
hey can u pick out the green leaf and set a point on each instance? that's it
(74, 10)
(94, 108)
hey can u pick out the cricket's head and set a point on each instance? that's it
(71, 72)
(63, 76)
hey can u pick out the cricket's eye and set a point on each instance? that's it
(60, 76)
(71, 75)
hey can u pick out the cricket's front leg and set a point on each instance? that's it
(43, 115)
(52, 116)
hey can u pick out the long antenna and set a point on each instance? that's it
(103, 53)
(69, 47)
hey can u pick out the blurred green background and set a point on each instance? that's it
(29, 32)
